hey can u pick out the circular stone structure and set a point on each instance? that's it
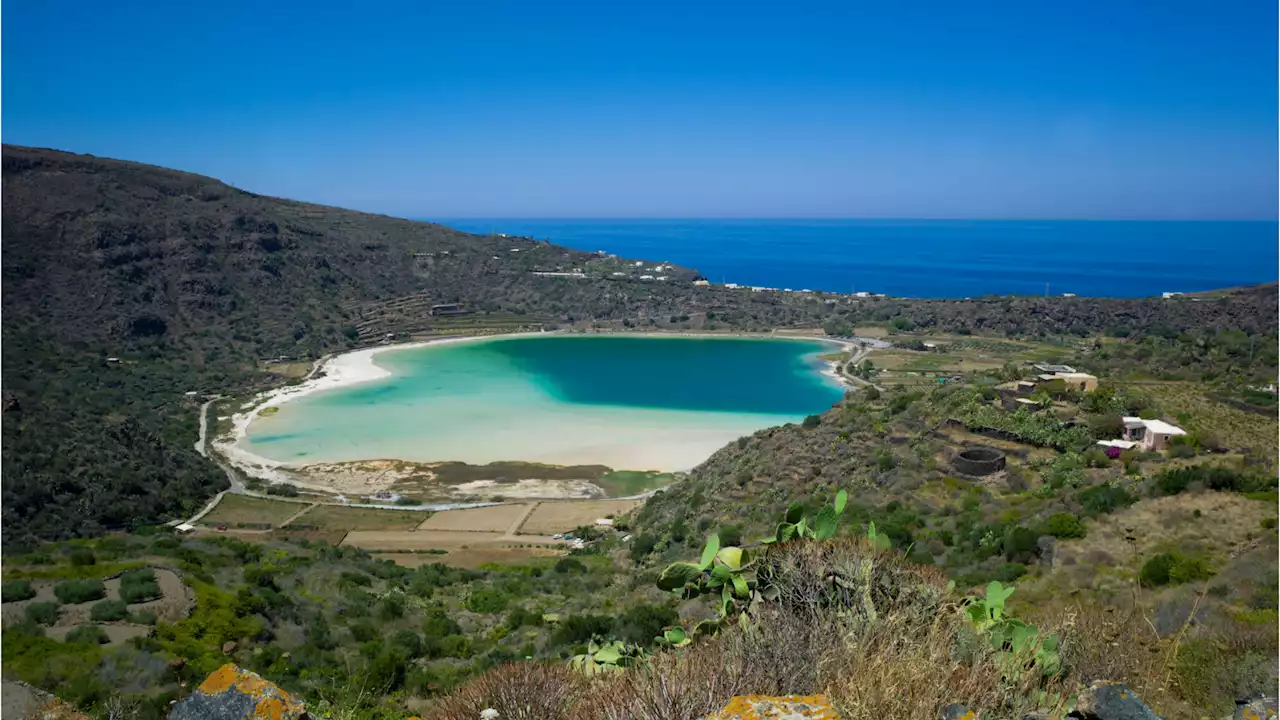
(979, 461)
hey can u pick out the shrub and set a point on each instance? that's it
(730, 536)
(390, 607)
(44, 613)
(871, 394)
(82, 557)
(536, 691)
(88, 635)
(355, 578)
(581, 628)
(640, 624)
(1172, 482)
(79, 591)
(363, 631)
(1104, 498)
(1173, 569)
(566, 566)
(438, 624)
(283, 489)
(1020, 544)
(455, 646)
(1181, 450)
(811, 421)
(143, 618)
(641, 546)
(108, 611)
(140, 590)
(1064, 526)
(16, 591)
(488, 600)
(519, 617)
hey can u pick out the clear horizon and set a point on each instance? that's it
(1093, 111)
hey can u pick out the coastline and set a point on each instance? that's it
(359, 366)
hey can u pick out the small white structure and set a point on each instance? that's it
(184, 528)
(646, 277)
(113, 359)
(639, 263)
(732, 286)
(1168, 295)
(604, 522)
(701, 283)
(617, 274)
(1150, 434)
(1122, 444)
(191, 393)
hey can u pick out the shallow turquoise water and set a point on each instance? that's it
(626, 402)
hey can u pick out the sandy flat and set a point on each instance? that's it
(556, 517)
(495, 518)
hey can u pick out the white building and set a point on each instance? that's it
(1150, 434)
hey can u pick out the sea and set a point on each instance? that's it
(627, 402)
(934, 259)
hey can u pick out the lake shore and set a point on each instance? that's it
(682, 451)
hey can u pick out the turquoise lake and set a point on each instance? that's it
(636, 403)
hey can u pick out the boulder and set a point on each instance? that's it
(1047, 546)
(1263, 708)
(785, 707)
(1105, 700)
(230, 693)
(956, 711)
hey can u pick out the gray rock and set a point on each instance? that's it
(1106, 700)
(955, 711)
(230, 693)
(1263, 708)
(1048, 547)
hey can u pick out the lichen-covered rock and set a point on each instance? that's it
(230, 693)
(956, 711)
(1105, 700)
(58, 710)
(786, 707)
(1263, 708)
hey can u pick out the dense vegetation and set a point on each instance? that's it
(333, 624)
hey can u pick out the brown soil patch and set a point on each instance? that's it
(391, 541)
(494, 518)
(471, 557)
(554, 517)
(338, 518)
(250, 513)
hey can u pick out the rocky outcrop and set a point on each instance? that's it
(1265, 708)
(787, 707)
(1105, 700)
(230, 693)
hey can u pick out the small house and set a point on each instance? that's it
(1024, 387)
(1053, 369)
(1084, 382)
(1150, 434)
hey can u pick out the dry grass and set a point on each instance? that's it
(518, 691)
(561, 516)
(472, 557)
(1215, 524)
(335, 518)
(409, 540)
(494, 518)
(1196, 412)
(242, 511)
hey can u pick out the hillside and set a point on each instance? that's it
(126, 286)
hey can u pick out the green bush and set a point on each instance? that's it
(140, 591)
(438, 624)
(811, 421)
(355, 578)
(455, 646)
(1020, 544)
(390, 608)
(567, 566)
(1173, 569)
(44, 613)
(88, 635)
(363, 631)
(1172, 482)
(488, 600)
(108, 611)
(581, 628)
(72, 592)
(1268, 523)
(16, 591)
(282, 489)
(640, 624)
(1104, 498)
(143, 618)
(1063, 526)
(519, 617)
(82, 557)
(641, 546)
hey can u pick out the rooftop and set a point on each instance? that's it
(1156, 426)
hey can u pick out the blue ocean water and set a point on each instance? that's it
(934, 259)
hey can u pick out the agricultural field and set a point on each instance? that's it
(250, 513)
(554, 517)
(122, 607)
(416, 540)
(491, 519)
(335, 518)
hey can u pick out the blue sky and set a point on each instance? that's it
(1075, 109)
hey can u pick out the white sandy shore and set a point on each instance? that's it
(682, 451)
(345, 370)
